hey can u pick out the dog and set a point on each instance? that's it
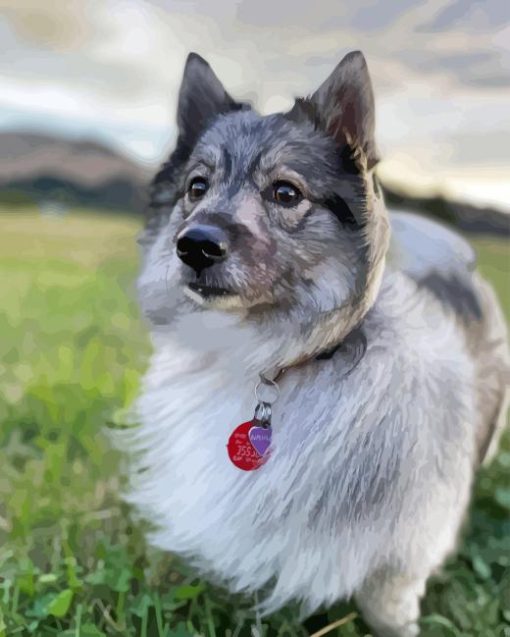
(326, 377)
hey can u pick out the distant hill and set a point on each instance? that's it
(462, 215)
(54, 171)
(45, 168)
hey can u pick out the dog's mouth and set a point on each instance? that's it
(213, 296)
(209, 291)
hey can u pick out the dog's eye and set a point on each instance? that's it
(197, 188)
(286, 194)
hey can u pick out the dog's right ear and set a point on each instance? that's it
(201, 98)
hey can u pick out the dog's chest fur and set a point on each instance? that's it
(347, 451)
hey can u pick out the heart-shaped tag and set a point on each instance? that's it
(260, 438)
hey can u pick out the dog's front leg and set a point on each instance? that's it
(390, 604)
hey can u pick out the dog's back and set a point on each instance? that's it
(443, 263)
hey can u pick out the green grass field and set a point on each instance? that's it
(72, 563)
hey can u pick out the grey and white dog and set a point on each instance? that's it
(269, 247)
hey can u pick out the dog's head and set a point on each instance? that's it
(276, 214)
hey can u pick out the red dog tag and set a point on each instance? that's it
(242, 452)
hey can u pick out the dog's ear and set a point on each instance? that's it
(201, 98)
(343, 106)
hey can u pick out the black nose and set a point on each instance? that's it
(202, 246)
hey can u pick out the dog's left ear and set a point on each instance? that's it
(343, 106)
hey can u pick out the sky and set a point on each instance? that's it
(111, 69)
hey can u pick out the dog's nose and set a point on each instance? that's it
(202, 246)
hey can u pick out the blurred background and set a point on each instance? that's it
(89, 88)
(87, 108)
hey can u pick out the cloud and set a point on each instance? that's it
(112, 68)
(60, 27)
(471, 15)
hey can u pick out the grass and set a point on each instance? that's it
(72, 563)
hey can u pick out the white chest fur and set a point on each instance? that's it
(347, 461)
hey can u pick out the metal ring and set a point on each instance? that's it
(263, 413)
(268, 384)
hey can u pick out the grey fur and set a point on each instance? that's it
(438, 260)
(375, 446)
(459, 295)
